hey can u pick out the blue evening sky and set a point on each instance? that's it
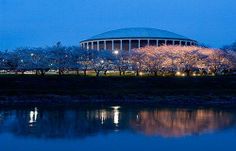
(44, 22)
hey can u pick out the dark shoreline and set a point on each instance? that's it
(70, 90)
(68, 101)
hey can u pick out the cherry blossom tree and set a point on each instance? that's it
(60, 58)
(6, 61)
(152, 60)
(83, 59)
(102, 60)
(121, 62)
(185, 59)
(137, 60)
(218, 62)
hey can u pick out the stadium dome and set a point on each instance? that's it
(130, 38)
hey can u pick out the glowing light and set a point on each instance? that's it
(102, 61)
(116, 52)
(172, 57)
(178, 73)
(116, 114)
(31, 54)
(115, 107)
(103, 116)
(21, 60)
(33, 116)
(116, 117)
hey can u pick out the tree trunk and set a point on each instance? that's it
(188, 72)
(85, 73)
(60, 72)
(137, 73)
(97, 73)
(42, 72)
(77, 72)
(155, 73)
(38, 72)
(120, 72)
(105, 72)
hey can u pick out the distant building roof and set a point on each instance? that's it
(126, 33)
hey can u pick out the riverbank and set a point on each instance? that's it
(24, 90)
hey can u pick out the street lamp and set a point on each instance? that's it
(116, 52)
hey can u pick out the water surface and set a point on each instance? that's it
(117, 128)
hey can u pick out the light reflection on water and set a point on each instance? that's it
(33, 116)
(69, 124)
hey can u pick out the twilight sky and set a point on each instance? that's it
(44, 22)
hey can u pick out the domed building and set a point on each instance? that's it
(131, 38)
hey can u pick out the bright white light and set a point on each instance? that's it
(178, 73)
(116, 117)
(32, 54)
(116, 52)
(102, 61)
(115, 107)
(103, 116)
(33, 116)
(116, 114)
(21, 60)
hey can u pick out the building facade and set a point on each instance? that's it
(131, 38)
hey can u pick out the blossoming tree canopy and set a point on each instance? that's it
(186, 59)
(151, 60)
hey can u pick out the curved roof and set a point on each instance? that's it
(126, 33)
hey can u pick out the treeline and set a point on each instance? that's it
(164, 60)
